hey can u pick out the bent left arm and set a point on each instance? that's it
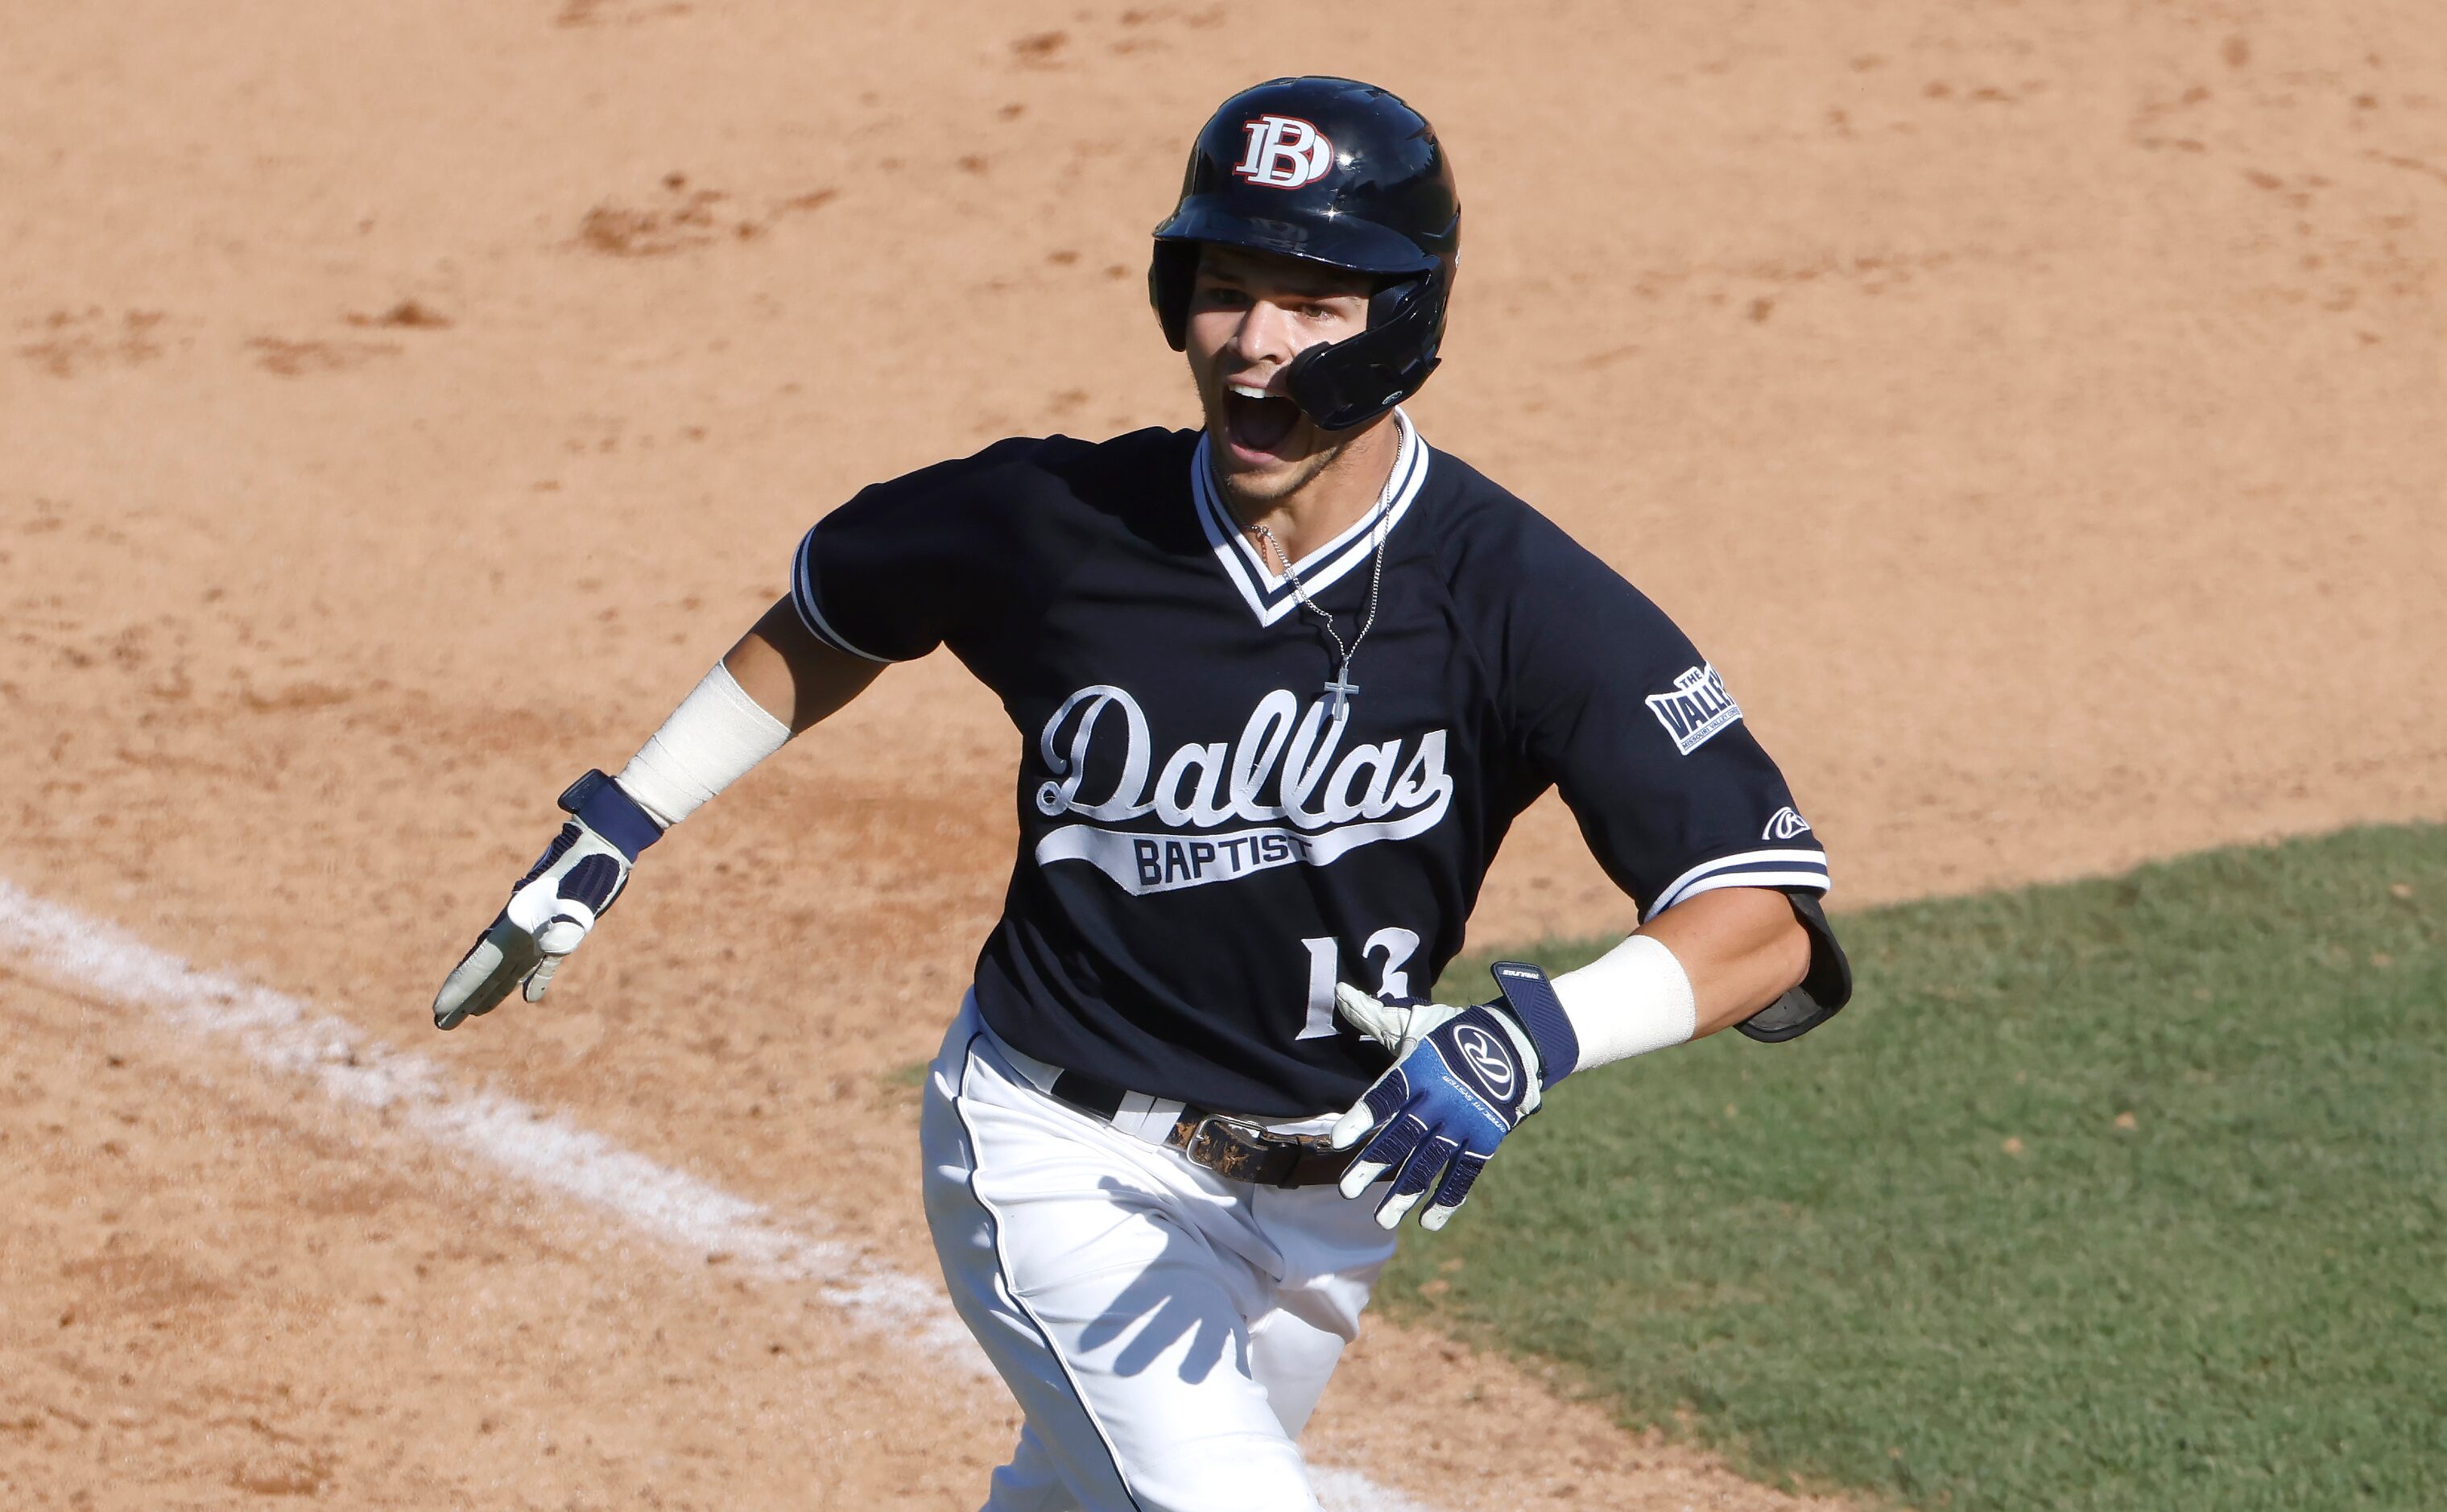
(1741, 948)
(1709, 962)
(1463, 1077)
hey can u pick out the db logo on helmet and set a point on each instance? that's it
(1284, 153)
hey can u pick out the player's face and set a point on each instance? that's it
(1250, 314)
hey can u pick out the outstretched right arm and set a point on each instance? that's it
(778, 680)
(792, 675)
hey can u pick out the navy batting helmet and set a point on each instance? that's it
(1340, 173)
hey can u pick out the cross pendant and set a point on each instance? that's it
(1343, 690)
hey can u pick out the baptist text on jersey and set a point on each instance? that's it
(1204, 849)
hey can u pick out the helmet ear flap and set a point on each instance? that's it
(1349, 382)
(1171, 274)
(1386, 302)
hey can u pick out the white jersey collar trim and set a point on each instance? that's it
(1269, 594)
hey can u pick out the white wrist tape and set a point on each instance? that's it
(1633, 999)
(714, 736)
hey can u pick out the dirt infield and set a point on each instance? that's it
(2036, 412)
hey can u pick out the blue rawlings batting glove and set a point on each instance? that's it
(1461, 1079)
(555, 905)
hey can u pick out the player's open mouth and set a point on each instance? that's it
(1257, 426)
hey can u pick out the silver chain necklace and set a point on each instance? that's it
(1340, 688)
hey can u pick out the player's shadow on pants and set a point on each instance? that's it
(1176, 1295)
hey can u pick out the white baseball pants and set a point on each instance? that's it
(1166, 1331)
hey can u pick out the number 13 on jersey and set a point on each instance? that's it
(1395, 943)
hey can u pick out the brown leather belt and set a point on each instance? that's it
(1234, 1149)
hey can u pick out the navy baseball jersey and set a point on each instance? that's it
(1206, 847)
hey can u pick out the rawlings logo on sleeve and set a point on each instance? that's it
(1697, 708)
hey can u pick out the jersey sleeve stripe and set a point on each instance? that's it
(1814, 881)
(1758, 868)
(803, 598)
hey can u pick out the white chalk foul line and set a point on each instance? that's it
(544, 1150)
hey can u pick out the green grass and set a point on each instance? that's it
(1825, 1258)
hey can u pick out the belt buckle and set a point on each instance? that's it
(1232, 1148)
(1238, 1150)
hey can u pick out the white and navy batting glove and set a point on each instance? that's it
(1461, 1079)
(550, 912)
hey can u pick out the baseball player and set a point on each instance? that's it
(1283, 683)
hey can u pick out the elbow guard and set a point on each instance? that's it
(1824, 990)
